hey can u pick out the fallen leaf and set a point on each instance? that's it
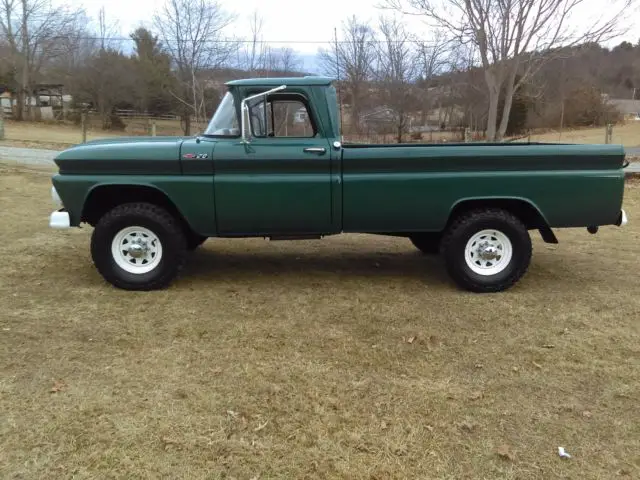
(411, 339)
(261, 426)
(504, 451)
(467, 427)
(429, 427)
(537, 365)
(476, 395)
(399, 450)
(586, 414)
(171, 443)
(58, 386)
(515, 369)
(548, 345)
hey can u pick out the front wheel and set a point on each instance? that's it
(138, 246)
(487, 250)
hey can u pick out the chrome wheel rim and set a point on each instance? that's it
(488, 252)
(136, 250)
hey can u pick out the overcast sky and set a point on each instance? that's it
(302, 27)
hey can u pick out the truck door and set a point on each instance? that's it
(279, 183)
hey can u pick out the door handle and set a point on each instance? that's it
(319, 150)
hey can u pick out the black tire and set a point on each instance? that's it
(194, 240)
(164, 226)
(463, 228)
(427, 243)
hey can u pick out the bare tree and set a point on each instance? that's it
(288, 61)
(352, 60)
(259, 59)
(34, 30)
(396, 72)
(108, 32)
(192, 34)
(105, 80)
(280, 60)
(95, 70)
(251, 56)
(513, 38)
(433, 55)
(433, 59)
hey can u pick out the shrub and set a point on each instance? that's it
(116, 123)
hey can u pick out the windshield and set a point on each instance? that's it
(225, 121)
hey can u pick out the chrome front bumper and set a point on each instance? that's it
(60, 220)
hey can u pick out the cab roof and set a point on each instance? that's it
(277, 81)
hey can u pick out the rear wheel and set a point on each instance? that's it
(427, 243)
(138, 246)
(487, 250)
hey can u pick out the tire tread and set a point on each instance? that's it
(154, 213)
(464, 221)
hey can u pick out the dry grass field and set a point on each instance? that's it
(352, 357)
(59, 136)
(627, 135)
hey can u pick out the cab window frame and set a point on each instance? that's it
(287, 97)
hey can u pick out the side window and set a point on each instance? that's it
(285, 116)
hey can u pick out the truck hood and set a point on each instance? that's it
(123, 155)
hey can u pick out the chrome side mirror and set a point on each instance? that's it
(245, 124)
(244, 111)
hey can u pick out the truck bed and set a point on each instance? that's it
(394, 187)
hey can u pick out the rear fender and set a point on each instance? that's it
(528, 212)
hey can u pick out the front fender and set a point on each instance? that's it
(192, 196)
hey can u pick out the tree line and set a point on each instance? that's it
(498, 64)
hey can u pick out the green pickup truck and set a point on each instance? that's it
(271, 164)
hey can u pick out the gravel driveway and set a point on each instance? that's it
(28, 156)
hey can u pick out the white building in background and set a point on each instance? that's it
(46, 104)
(629, 109)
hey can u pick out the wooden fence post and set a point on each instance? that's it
(467, 135)
(1, 122)
(608, 133)
(84, 126)
(153, 128)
